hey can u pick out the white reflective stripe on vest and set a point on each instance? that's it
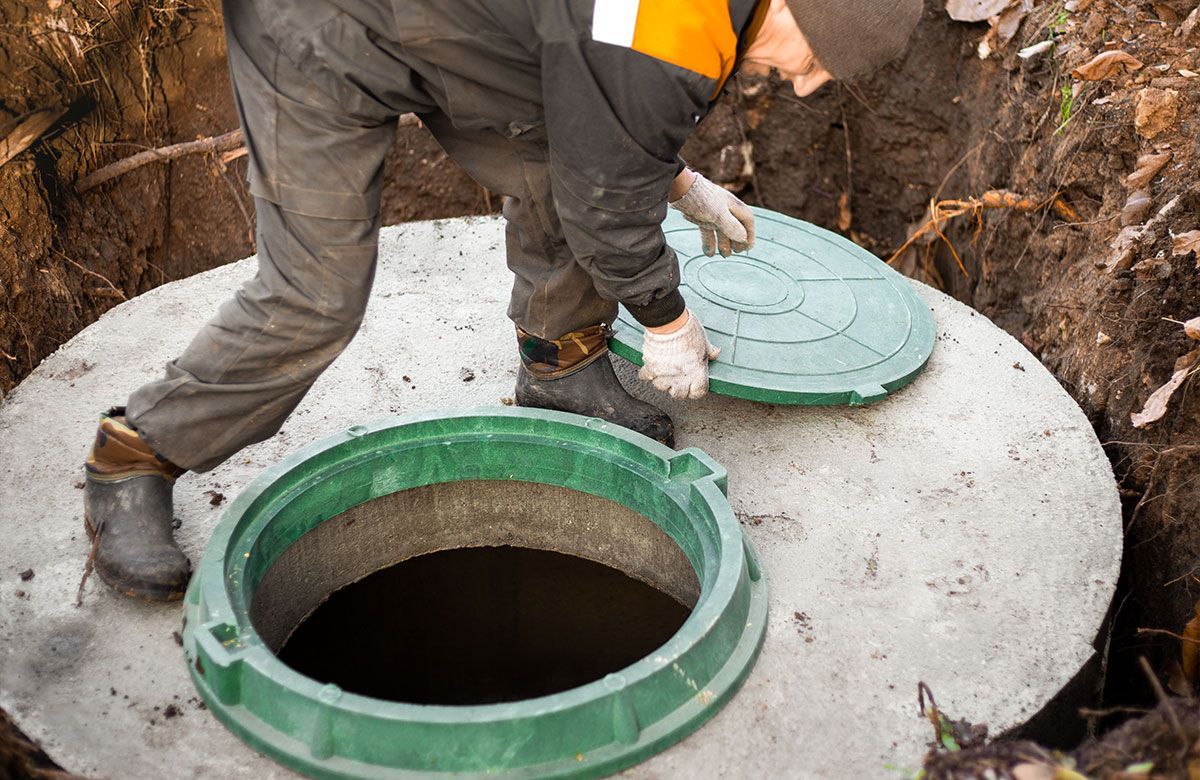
(613, 21)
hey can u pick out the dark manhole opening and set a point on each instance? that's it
(482, 625)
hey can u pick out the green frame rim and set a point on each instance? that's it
(592, 730)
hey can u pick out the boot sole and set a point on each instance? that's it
(148, 593)
(526, 404)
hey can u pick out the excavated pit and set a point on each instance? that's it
(888, 143)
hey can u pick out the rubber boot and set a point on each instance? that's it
(595, 391)
(128, 513)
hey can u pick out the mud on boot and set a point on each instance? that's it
(595, 391)
(129, 514)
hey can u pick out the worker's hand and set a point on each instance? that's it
(726, 224)
(676, 361)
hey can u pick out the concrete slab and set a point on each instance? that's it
(965, 532)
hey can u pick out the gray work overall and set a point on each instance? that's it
(518, 95)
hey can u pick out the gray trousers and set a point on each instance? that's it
(316, 150)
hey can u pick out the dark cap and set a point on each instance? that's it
(854, 37)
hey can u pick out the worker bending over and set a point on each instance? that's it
(574, 109)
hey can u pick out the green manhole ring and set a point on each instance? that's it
(591, 730)
(807, 317)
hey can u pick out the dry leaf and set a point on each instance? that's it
(1191, 328)
(1148, 166)
(1136, 208)
(845, 218)
(1186, 242)
(1166, 211)
(1189, 25)
(1035, 49)
(1156, 404)
(1157, 110)
(1165, 12)
(975, 10)
(1003, 29)
(1032, 771)
(1177, 683)
(1124, 245)
(1105, 64)
(1190, 647)
(1153, 268)
(1008, 23)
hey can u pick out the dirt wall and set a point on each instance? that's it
(130, 76)
(122, 77)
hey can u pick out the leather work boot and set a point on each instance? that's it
(128, 513)
(595, 391)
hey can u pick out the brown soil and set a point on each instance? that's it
(21, 759)
(139, 75)
(865, 158)
(1159, 745)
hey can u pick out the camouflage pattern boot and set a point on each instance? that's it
(574, 374)
(128, 513)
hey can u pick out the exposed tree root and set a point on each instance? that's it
(942, 211)
(229, 146)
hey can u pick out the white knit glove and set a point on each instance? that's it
(677, 363)
(726, 224)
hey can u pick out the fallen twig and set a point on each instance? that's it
(1168, 705)
(28, 130)
(1088, 712)
(233, 154)
(89, 566)
(229, 146)
(1165, 632)
(933, 714)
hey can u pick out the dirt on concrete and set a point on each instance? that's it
(1090, 270)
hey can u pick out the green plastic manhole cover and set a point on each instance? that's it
(366, 501)
(807, 317)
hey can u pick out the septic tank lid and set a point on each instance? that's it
(807, 317)
(590, 730)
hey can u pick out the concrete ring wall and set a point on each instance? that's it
(965, 532)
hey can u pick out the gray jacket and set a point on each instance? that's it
(612, 87)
